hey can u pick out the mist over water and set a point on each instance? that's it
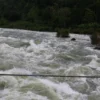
(32, 52)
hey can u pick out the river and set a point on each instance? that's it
(33, 52)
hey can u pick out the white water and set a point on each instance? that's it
(31, 52)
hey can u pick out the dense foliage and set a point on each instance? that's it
(49, 15)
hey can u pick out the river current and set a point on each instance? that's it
(32, 52)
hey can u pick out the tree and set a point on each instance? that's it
(64, 17)
(89, 16)
(32, 15)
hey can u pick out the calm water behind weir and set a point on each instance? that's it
(31, 52)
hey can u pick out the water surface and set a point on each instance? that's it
(32, 52)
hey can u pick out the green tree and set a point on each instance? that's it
(64, 17)
(97, 10)
(89, 16)
(32, 15)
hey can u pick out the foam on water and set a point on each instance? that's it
(7, 95)
(77, 36)
(31, 52)
(60, 87)
(95, 57)
(94, 64)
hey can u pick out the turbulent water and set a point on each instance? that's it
(31, 52)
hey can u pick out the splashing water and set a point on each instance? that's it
(31, 52)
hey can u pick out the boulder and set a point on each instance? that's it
(73, 39)
(95, 38)
(97, 47)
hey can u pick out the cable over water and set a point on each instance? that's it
(47, 75)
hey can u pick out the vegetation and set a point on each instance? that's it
(95, 37)
(81, 16)
(62, 33)
(49, 14)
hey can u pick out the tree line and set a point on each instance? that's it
(49, 15)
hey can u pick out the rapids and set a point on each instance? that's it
(32, 52)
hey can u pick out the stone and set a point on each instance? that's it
(73, 39)
(95, 38)
(97, 47)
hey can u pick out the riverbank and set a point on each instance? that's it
(90, 29)
(80, 29)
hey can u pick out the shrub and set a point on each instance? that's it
(3, 22)
(62, 33)
(88, 31)
(95, 37)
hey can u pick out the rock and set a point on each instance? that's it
(73, 39)
(97, 47)
(95, 38)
